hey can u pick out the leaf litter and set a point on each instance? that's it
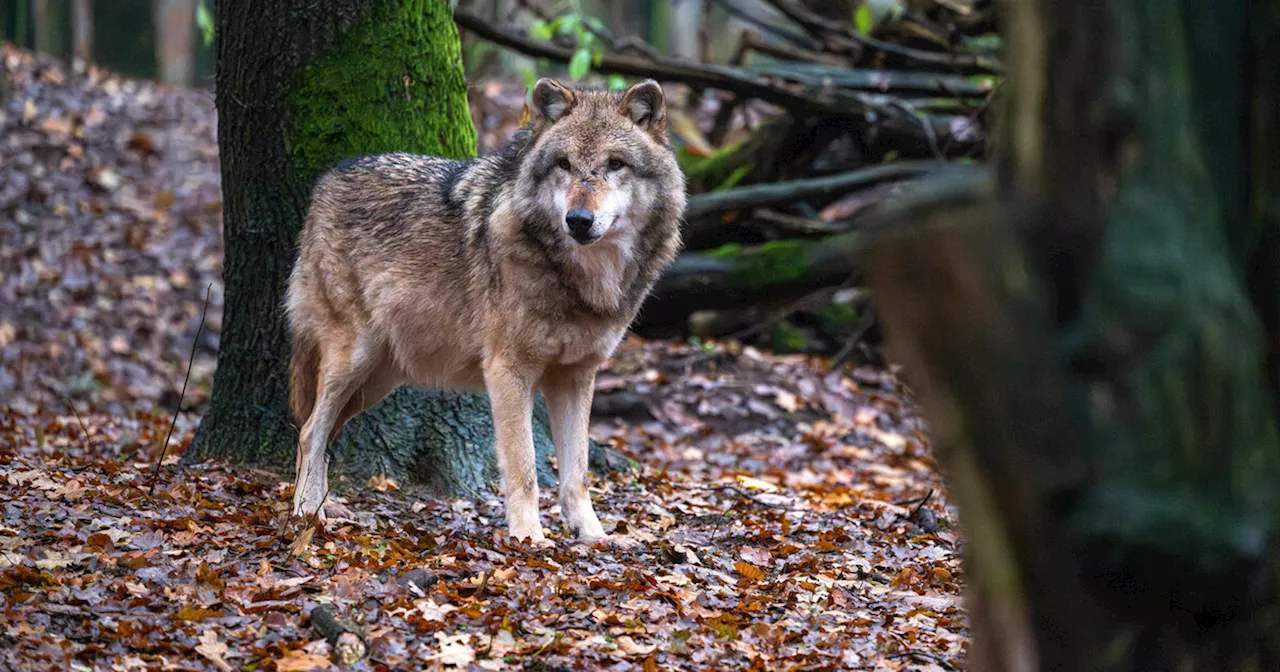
(792, 516)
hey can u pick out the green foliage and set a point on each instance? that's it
(773, 263)
(863, 20)
(580, 64)
(837, 318)
(983, 43)
(786, 338)
(204, 21)
(585, 31)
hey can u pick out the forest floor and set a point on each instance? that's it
(791, 515)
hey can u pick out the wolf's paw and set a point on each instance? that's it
(330, 510)
(333, 510)
(619, 541)
(539, 544)
(533, 537)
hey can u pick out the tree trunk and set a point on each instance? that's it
(50, 18)
(1080, 334)
(82, 30)
(175, 22)
(301, 85)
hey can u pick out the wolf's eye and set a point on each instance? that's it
(562, 163)
(615, 164)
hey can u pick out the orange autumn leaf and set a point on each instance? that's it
(749, 570)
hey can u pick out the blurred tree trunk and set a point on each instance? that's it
(50, 19)
(82, 30)
(175, 22)
(303, 84)
(1080, 331)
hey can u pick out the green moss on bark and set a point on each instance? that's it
(773, 263)
(394, 83)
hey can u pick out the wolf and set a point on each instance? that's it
(512, 273)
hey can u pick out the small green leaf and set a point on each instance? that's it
(617, 83)
(983, 43)
(597, 55)
(568, 24)
(579, 64)
(593, 23)
(540, 30)
(204, 21)
(891, 155)
(863, 20)
(530, 78)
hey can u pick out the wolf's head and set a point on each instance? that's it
(599, 163)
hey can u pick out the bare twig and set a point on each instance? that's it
(866, 320)
(762, 195)
(768, 26)
(923, 501)
(791, 53)
(67, 400)
(182, 395)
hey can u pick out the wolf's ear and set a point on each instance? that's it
(550, 100)
(644, 104)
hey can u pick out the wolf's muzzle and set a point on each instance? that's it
(580, 222)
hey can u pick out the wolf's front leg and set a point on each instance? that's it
(511, 396)
(569, 392)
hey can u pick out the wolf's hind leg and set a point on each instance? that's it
(344, 369)
(511, 395)
(568, 392)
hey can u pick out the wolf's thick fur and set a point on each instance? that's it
(510, 273)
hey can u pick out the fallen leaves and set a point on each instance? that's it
(301, 661)
(781, 507)
(213, 650)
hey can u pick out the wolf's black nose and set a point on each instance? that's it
(579, 221)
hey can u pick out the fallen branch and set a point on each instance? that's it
(762, 195)
(733, 276)
(769, 26)
(816, 76)
(751, 40)
(842, 38)
(347, 647)
(890, 120)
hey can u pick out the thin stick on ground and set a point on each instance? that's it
(164, 447)
(67, 400)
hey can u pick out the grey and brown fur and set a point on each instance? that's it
(510, 273)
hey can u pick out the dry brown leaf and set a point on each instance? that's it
(301, 661)
(383, 483)
(749, 570)
(455, 650)
(213, 650)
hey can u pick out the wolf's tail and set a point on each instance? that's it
(304, 367)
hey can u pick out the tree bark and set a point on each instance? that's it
(301, 85)
(82, 30)
(1080, 332)
(175, 22)
(50, 18)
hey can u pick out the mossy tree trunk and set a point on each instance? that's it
(301, 85)
(1080, 330)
